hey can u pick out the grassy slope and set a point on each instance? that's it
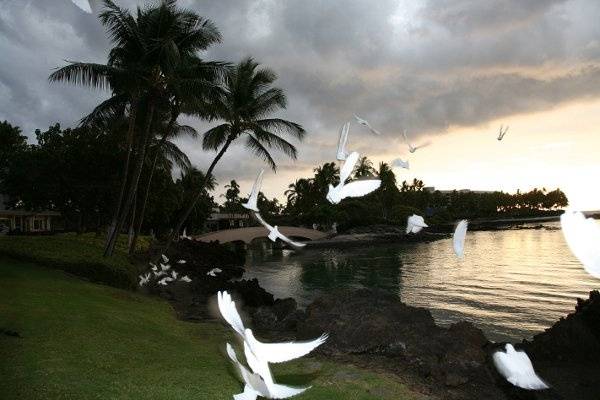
(86, 341)
(77, 254)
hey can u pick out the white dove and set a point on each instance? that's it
(86, 5)
(398, 162)
(255, 385)
(274, 233)
(184, 235)
(415, 223)
(185, 278)
(366, 123)
(164, 280)
(258, 354)
(164, 258)
(214, 272)
(154, 268)
(353, 189)
(515, 366)
(144, 279)
(174, 274)
(181, 262)
(412, 148)
(583, 238)
(252, 203)
(502, 132)
(341, 151)
(458, 240)
(164, 267)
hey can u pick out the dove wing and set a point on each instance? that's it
(257, 185)
(253, 380)
(262, 221)
(290, 241)
(348, 166)
(283, 392)
(458, 240)
(341, 152)
(229, 312)
(360, 188)
(422, 145)
(524, 375)
(84, 5)
(405, 137)
(282, 352)
(582, 236)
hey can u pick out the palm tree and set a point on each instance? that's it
(246, 100)
(363, 168)
(152, 66)
(299, 194)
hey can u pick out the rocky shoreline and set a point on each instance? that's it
(376, 330)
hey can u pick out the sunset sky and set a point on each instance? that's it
(449, 71)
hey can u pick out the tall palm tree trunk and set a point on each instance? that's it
(198, 193)
(130, 134)
(140, 219)
(146, 194)
(135, 179)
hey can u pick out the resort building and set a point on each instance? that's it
(25, 221)
(219, 220)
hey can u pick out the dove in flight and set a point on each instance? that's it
(341, 151)
(213, 272)
(458, 239)
(144, 279)
(359, 188)
(185, 278)
(583, 238)
(181, 262)
(255, 385)
(366, 123)
(274, 233)
(252, 203)
(258, 354)
(164, 258)
(86, 5)
(412, 148)
(502, 132)
(398, 162)
(515, 366)
(415, 223)
(174, 274)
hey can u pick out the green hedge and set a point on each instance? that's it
(79, 255)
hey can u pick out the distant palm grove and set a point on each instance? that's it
(114, 173)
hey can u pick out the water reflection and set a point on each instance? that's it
(511, 284)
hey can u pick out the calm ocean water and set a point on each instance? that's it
(511, 283)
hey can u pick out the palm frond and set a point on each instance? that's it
(85, 74)
(272, 140)
(282, 126)
(106, 111)
(256, 146)
(216, 137)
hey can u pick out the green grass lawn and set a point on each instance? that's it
(86, 341)
(78, 254)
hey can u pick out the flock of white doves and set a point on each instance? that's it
(582, 236)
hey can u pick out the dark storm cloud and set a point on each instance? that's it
(400, 63)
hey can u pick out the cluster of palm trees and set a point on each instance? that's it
(155, 75)
(305, 194)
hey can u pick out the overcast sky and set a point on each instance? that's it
(449, 71)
